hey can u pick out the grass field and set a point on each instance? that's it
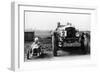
(46, 43)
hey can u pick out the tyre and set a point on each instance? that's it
(29, 54)
(55, 49)
(55, 44)
(55, 52)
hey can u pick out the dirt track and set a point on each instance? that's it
(61, 53)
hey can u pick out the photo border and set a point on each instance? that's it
(16, 64)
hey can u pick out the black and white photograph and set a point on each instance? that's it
(53, 36)
(49, 34)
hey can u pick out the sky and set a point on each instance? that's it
(48, 21)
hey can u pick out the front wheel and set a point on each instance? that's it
(55, 52)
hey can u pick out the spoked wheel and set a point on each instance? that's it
(55, 49)
(55, 44)
(55, 52)
(29, 54)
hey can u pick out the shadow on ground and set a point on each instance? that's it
(60, 53)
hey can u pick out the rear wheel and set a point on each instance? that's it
(29, 54)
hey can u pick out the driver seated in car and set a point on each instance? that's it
(36, 47)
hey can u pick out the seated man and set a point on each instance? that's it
(36, 50)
